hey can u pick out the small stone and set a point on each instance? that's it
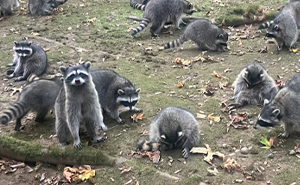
(244, 150)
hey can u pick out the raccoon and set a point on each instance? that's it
(253, 85)
(283, 108)
(116, 93)
(173, 127)
(158, 12)
(78, 100)
(38, 95)
(284, 27)
(139, 4)
(28, 59)
(7, 7)
(205, 34)
(43, 7)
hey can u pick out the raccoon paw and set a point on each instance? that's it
(21, 78)
(104, 127)
(77, 145)
(283, 135)
(185, 153)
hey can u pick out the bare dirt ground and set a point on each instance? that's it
(70, 35)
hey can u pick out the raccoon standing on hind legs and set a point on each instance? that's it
(158, 12)
(205, 34)
(173, 127)
(78, 101)
(29, 59)
(253, 85)
(284, 27)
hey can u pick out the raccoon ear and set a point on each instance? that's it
(221, 36)
(16, 43)
(266, 101)
(276, 27)
(138, 90)
(63, 70)
(276, 112)
(163, 136)
(121, 92)
(180, 134)
(29, 43)
(87, 65)
(262, 75)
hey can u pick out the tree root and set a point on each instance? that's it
(34, 152)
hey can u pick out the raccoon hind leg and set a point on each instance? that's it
(41, 115)
(156, 27)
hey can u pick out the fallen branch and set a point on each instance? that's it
(55, 42)
(34, 152)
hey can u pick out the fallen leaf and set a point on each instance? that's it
(125, 169)
(153, 155)
(213, 172)
(47, 49)
(177, 171)
(216, 74)
(81, 173)
(266, 142)
(208, 152)
(92, 20)
(137, 117)
(200, 116)
(235, 121)
(179, 84)
(230, 164)
(293, 50)
(198, 150)
(16, 90)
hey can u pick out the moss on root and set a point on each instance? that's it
(31, 151)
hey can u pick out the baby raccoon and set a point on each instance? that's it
(158, 12)
(173, 127)
(78, 101)
(7, 7)
(43, 7)
(253, 85)
(283, 108)
(28, 59)
(205, 34)
(37, 96)
(116, 93)
(284, 27)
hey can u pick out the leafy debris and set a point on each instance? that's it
(136, 118)
(207, 151)
(79, 174)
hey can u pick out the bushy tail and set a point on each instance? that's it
(16, 110)
(175, 43)
(138, 6)
(32, 77)
(264, 25)
(143, 145)
(142, 25)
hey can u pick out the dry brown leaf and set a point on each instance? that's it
(68, 173)
(179, 85)
(200, 116)
(92, 20)
(230, 164)
(153, 156)
(198, 150)
(16, 90)
(137, 117)
(216, 74)
(81, 173)
(125, 169)
(209, 156)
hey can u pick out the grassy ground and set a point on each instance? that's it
(108, 44)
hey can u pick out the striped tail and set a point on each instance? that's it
(138, 6)
(32, 77)
(16, 110)
(142, 25)
(175, 43)
(264, 25)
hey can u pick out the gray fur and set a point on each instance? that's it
(205, 34)
(139, 4)
(284, 27)
(37, 96)
(112, 88)
(7, 7)
(175, 127)
(43, 7)
(78, 101)
(253, 85)
(159, 12)
(29, 59)
(284, 108)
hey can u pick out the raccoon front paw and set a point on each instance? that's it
(21, 78)
(77, 145)
(283, 135)
(185, 153)
(120, 121)
(11, 76)
(99, 139)
(104, 127)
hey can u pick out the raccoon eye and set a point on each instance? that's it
(125, 103)
(276, 27)
(190, 6)
(134, 102)
(82, 75)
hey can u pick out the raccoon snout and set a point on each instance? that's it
(77, 81)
